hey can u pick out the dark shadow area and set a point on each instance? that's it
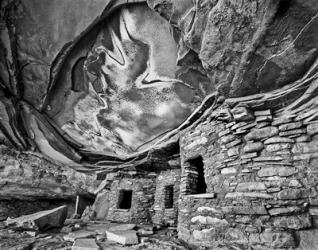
(124, 200)
(283, 7)
(197, 164)
(169, 196)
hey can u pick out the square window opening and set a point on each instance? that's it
(197, 165)
(124, 199)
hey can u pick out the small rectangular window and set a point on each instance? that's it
(197, 165)
(124, 199)
(169, 196)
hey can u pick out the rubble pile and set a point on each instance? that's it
(50, 230)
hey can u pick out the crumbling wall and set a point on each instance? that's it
(163, 215)
(260, 171)
(143, 190)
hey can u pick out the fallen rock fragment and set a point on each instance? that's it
(42, 220)
(79, 235)
(85, 244)
(144, 232)
(128, 237)
(122, 227)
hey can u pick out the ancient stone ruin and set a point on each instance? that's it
(159, 124)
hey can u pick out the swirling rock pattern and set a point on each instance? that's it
(111, 86)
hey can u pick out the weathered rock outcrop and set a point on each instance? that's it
(42, 220)
(30, 176)
(246, 47)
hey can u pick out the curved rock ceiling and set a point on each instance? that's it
(126, 88)
(102, 80)
(131, 91)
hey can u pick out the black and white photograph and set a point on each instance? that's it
(158, 124)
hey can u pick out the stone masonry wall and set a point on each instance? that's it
(261, 176)
(143, 190)
(164, 215)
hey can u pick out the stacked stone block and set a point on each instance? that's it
(262, 168)
(164, 215)
(143, 190)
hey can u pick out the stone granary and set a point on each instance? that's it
(140, 196)
(199, 115)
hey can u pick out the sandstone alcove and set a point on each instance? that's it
(195, 117)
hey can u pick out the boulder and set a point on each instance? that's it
(42, 220)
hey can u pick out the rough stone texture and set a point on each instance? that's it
(16, 207)
(143, 192)
(262, 133)
(253, 147)
(164, 215)
(30, 176)
(308, 239)
(42, 220)
(266, 196)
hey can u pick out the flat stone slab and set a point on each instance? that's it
(122, 227)
(98, 228)
(202, 196)
(128, 237)
(43, 219)
(79, 235)
(85, 244)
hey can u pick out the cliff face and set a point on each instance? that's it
(246, 47)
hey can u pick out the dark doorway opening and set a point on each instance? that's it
(197, 164)
(169, 196)
(124, 200)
